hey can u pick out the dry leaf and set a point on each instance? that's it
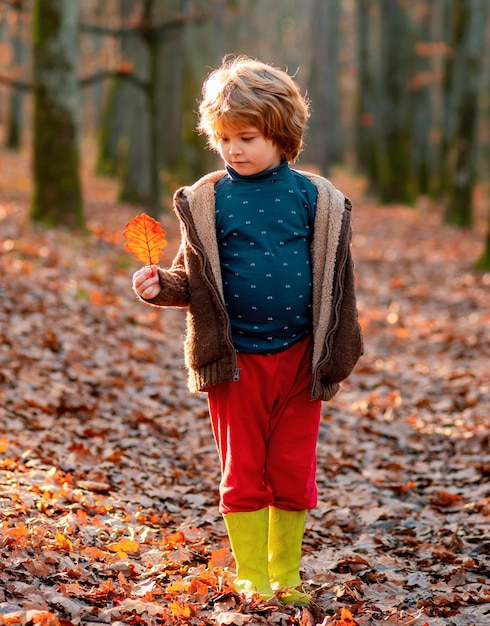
(229, 617)
(346, 618)
(125, 545)
(145, 238)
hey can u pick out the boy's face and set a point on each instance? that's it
(247, 151)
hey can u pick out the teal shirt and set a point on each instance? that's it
(264, 225)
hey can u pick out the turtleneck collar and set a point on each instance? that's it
(276, 173)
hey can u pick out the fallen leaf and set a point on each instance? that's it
(124, 545)
(229, 617)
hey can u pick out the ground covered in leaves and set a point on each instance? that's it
(108, 472)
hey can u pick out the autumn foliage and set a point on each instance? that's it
(145, 238)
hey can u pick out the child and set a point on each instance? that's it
(265, 271)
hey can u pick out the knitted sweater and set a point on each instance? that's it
(194, 281)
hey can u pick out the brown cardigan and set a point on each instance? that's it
(194, 281)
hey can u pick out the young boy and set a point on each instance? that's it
(265, 270)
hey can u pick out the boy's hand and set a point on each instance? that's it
(146, 282)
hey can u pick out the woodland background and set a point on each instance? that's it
(400, 92)
(108, 473)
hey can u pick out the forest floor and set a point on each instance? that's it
(108, 471)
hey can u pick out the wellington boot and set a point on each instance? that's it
(248, 534)
(286, 529)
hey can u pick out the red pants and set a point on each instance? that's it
(266, 429)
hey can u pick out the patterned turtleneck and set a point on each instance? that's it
(264, 224)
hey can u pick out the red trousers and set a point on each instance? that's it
(266, 428)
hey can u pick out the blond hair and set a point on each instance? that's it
(245, 92)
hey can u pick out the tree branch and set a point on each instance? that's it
(15, 84)
(103, 74)
(156, 31)
(95, 29)
(179, 21)
(83, 82)
(16, 5)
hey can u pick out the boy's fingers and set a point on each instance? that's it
(144, 281)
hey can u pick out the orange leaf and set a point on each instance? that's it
(125, 545)
(221, 558)
(63, 542)
(19, 531)
(178, 585)
(346, 619)
(180, 609)
(145, 238)
(199, 591)
(175, 539)
(46, 619)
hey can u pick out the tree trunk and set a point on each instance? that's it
(395, 181)
(421, 82)
(366, 123)
(324, 134)
(469, 30)
(153, 130)
(483, 262)
(16, 99)
(123, 145)
(154, 146)
(57, 198)
(204, 46)
(447, 122)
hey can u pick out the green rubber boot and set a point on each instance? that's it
(286, 529)
(248, 534)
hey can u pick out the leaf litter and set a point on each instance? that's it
(108, 472)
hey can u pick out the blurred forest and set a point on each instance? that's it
(399, 91)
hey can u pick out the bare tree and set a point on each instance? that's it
(157, 84)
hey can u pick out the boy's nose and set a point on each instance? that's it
(234, 148)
